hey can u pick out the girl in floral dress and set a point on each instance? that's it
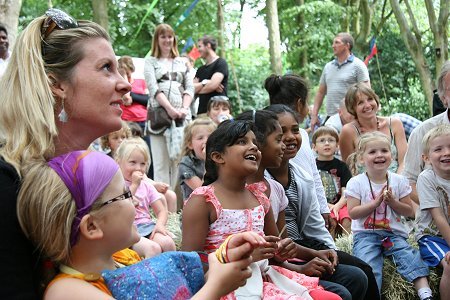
(226, 205)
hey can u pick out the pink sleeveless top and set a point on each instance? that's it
(230, 221)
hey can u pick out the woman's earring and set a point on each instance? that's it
(63, 117)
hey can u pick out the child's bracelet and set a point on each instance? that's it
(221, 252)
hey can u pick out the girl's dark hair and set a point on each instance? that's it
(226, 135)
(287, 89)
(264, 123)
(281, 108)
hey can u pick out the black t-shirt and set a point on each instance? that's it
(19, 260)
(438, 106)
(335, 175)
(206, 72)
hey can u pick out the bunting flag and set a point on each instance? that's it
(149, 10)
(189, 44)
(186, 13)
(373, 50)
(194, 53)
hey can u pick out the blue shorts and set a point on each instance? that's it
(432, 249)
(146, 229)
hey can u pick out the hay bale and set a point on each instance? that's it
(174, 226)
(394, 286)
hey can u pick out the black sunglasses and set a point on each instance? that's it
(56, 19)
(124, 196)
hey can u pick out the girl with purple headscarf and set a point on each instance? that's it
(79, 213)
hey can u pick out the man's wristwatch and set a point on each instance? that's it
(204, 82)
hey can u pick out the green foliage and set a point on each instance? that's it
(399, 76)
(252, 67)
(314, 36)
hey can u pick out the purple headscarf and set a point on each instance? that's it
(86, 174)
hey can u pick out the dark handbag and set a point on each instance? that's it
(159, 118)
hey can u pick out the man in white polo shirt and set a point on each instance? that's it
(343, 71)
(413, 157)
(5, 54)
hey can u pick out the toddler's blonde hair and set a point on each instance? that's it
(438, 131)
(104, 142)
(364, 139)
(128, 146)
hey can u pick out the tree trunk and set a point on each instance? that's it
(274, 36)
(100, 12)
(220, 29)
(439, 28)
(303, 55)
(9, 16)
(365, 27)
(413, 42)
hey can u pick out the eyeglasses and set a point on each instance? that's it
(124, 196)
(56, 18)
(324, 140)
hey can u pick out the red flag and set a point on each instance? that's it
(373, 51)
(194, 53)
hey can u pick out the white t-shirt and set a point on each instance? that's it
(413, 157)
(4, 63)
(335, 122)
(277, 198)
(433, 191)
(386, 218)
(306, 160)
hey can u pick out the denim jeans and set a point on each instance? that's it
(368, 246)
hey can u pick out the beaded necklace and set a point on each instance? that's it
(360, 127)
(374, 225)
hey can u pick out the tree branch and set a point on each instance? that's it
(415, 28)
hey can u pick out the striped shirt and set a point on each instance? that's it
(338, 77)
(293, 194)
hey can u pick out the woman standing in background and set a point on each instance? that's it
(170, 86)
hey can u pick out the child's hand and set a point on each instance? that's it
(286, 250)
(127, 100)
(203, 157)
(161, 187)
(329, 256)
(335, 210)
(136, 177)
(225, 278)
(267, 251)
(447, 257)
(241, 245)
(388, 197)
(159, 228)
(316, 267)
(380, 197)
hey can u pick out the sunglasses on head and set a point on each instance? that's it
(56, 19)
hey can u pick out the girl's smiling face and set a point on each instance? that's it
(377, 156)
(200, 135)
(273, 149)
(291, 135)
(243, 154)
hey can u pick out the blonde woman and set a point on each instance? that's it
(171, 86)
(60, 92)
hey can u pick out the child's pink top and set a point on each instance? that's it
(230, 221)
(146, 194)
